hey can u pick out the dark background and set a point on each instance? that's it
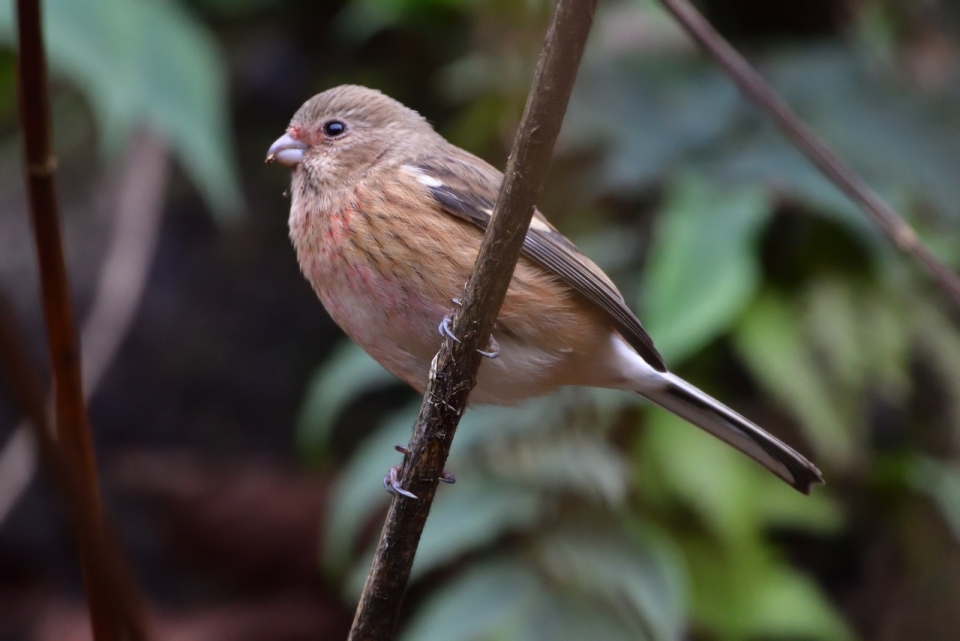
(220, 471)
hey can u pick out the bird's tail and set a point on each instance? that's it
(686, 401)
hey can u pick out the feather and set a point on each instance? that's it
(466, 189)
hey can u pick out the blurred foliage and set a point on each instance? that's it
(704, 268)
(147, 63)
(542, 478)
(588, 516)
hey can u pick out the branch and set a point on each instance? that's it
(73, 452)
(895, 228)
(454, 369)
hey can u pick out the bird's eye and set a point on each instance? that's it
(334, 128)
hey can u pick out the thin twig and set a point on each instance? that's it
(454, 369)
(893, 226)
(74, 444)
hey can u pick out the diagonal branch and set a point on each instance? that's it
(893, 226)
(73, 450)
(454, 369)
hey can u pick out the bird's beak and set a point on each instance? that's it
(286, 150)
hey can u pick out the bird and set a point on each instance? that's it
(386, 219)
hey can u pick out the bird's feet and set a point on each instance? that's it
(492, 349)
(444, 328)
(391, 482)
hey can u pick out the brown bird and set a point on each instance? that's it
(387, 217)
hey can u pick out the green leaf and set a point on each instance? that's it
(360, 20)
(471, 516)
(147, 63)
(485, 434)
(831, 311)
(656, 113)
(648, 114)
(937, 337)
(554, 444)
(487, 602)
(941, 482)
(346, 375)
(505, 600)
(886, 340)
(703, 267)
(568, 462)
(638, 580)
(771, 341)
(736, 498)
(529, 455)
(358, 492)
(463, 519)
(903, 143)
(488, 426)
(750, 595)
(862, 335)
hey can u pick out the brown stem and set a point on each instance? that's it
(74, 443)
(895, 228)
(454, 369)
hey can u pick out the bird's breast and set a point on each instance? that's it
(387, 276)
(371, 288)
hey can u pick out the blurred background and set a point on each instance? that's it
(242, 440)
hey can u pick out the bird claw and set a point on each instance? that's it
(493, 348)
(391, 482)
(445, 330)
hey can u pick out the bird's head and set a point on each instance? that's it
(337, 135)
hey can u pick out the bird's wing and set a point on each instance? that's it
(466, 187)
